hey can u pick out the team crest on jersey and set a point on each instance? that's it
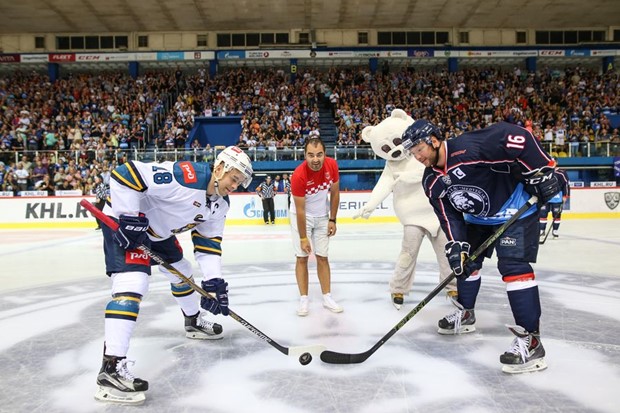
(612, 199)
(469, 199)
(446, 180)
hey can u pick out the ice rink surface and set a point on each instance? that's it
(53, 292)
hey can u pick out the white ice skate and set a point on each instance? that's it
(117, 384)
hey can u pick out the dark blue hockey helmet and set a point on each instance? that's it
(420, 131)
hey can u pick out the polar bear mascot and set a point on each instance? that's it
(402, 176)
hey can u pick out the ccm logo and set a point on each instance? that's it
(135, 257)
(538, 180)
(189, 175)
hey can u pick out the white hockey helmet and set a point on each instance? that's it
(233, 157)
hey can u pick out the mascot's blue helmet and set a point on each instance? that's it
(420, 131)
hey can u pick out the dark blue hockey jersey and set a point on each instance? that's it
(564, 184)
(482, 180)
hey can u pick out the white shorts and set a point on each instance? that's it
(316, 230)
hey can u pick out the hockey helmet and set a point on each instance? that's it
(420, 131)
(233, 157)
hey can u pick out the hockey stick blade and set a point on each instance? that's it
(546, 235)
(289, 351)
(333, 357)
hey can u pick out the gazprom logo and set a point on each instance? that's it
(250, 210)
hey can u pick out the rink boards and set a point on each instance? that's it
(246, 209)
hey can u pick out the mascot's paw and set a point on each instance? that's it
(363, 213)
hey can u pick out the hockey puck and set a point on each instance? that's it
(305, 359)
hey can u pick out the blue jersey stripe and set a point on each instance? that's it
(127, 175)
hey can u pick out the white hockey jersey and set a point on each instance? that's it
(173, 196)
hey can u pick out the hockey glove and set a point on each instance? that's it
(131, 231)
(543, 184)
(219, 304)
(458, 254)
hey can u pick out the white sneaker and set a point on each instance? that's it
(302, 310)
(330, 304)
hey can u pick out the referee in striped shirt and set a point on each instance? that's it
(266, 191)
(101, 192)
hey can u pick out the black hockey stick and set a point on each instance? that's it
(546, 235)
(333, 357)
(289, 351)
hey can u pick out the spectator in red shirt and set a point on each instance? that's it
(316, 195)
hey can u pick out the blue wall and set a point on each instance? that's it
(220, 130)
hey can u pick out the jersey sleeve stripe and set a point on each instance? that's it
(128, 176)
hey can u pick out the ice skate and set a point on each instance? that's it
(555, 233)
(302, 310)
(330, 304)
(541, 237)
(117, 384)
(199, 328)
(461, 321)
(398, 299)
(526, 353)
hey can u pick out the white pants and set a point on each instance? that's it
(404, 273)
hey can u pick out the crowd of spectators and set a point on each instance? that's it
(566, 109)
(85, 117)
(275, 112)
(92, 116)
(45, 172)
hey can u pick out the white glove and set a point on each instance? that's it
(364, 213)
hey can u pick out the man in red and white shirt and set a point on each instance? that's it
(316, 195)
